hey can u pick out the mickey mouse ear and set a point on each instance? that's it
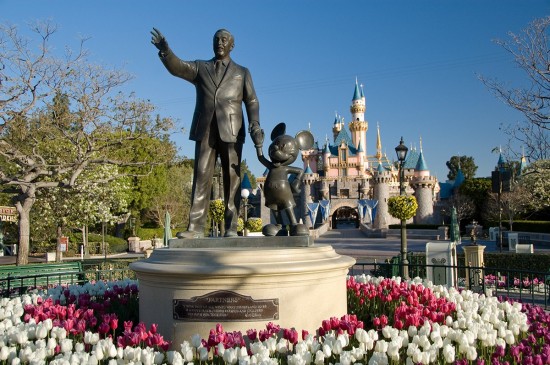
(305, 140)
(279, 130)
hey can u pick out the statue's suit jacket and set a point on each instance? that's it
(225, 98)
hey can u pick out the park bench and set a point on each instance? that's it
(16, 280)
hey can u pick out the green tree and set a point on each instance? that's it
(478, 190)
(465, 163)
(100, 195)
(530, 51)
(175, 197)
(535, 179)
(60, 117)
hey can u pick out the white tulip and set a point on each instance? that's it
(257, 347)
(337, 347)
(295, 359)
(393, 351)
(220, 349)
(378, 358)
(196, 341)
(271, 344)
(4, 353)
(471, 354)
(230, 356)
(327, 350)
(345, 358)
(98, 351)
(361, 335)
(282, 346)
(203, 354)
(381, 346)
(187, 351)
(319, 358)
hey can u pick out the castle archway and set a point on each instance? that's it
(345, 216)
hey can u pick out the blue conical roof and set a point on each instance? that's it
(357, 94)
(245, 183)
(308, 170)
(421, 163)
(326, 149)
(380, 168)
(501, 162)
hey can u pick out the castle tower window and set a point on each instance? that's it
(344, 193)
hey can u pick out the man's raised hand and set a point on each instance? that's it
(158, 40)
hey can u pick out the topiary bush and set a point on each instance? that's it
(402, 207)
(254, 224)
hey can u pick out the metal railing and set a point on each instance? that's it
(520, 285)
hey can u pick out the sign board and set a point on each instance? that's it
(224, 305)
(8, 214)
(441, 262)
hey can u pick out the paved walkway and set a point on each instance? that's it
(351, 242)
(347, 240)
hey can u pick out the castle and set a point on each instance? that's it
(355, 185)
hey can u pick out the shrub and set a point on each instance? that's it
(254, 224)
(402, 207)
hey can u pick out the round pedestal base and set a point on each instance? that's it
(186, 291)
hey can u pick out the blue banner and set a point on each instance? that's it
(325, 209)
(312, 212)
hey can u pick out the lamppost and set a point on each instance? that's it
(245, 194)
(133, 226)
(401, 152)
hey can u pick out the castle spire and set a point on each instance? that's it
(378, 143)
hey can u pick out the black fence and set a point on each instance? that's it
(519, 285)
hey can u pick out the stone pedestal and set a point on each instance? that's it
(473, 255)
(242, 283)
(133, 244)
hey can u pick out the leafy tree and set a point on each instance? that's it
(60, 117)
(465, 163)
(512, 204)
(175, 197)
(530, 50)
(535, 179)
(100, 195)
(478, 190)
(464, 205)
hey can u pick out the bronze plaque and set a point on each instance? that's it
(224, 305)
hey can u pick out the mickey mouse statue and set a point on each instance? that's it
(278, 189)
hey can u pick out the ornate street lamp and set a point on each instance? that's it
(401, 152)
(245, 194)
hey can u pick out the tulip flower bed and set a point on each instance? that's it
(515, 283)
(390, 322)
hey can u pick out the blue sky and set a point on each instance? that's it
(419, 62)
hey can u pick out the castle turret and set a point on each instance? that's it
(381, 190)
(326, 161)
(308, 180)
(423, 185)
(361, 159)
(358, 126)
(337, 127)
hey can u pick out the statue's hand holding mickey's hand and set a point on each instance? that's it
(257, 135)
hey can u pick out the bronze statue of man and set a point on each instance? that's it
(222, 86)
